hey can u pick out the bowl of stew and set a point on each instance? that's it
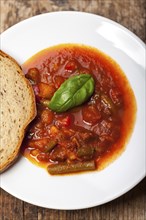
(86, 145)
(88, 135)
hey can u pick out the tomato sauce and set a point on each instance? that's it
(87, 137)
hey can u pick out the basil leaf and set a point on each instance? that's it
(73, 92)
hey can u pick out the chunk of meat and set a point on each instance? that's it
(58, 154)
(46, 90)
(44, 144)
(39, 144)
(91, 114)
(103, 128)
(107, 129)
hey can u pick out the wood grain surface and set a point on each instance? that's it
(129, 13)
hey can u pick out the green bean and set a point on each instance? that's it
(50, 145)
(85, 151)
(72, 167)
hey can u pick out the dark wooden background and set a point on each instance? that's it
(129, 13)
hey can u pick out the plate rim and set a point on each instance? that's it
(77, 13)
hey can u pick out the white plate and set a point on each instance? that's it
(32, 184)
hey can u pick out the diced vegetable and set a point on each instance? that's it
(33, 74)
(45, 90)
(65, 121)
(73, 92)
(54, 130)
(72, 167)
(71, 66)
(59, 80)
(43, 157)
(45, 102)
(71, 156)
(35, 152)
(47, 116)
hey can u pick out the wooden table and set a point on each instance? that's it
(131, 14)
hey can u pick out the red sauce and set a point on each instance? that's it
(99, 129)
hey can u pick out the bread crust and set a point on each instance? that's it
(14, 155)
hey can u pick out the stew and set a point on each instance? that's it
(85, 109)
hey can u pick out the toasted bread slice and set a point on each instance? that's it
(17, 109)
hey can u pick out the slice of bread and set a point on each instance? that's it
(17, 109)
